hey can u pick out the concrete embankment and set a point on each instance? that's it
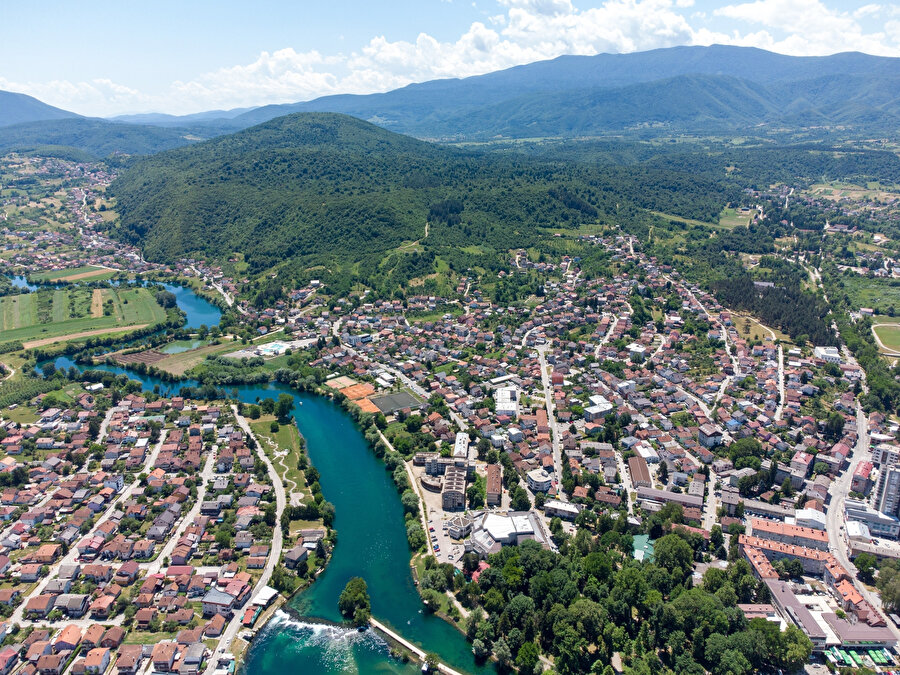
(409, 645)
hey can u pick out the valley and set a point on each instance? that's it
(606, 381)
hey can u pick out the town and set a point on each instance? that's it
(155, 533)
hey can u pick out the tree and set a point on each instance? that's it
(518, 499)
(354, 603)
(528, 657)
(502, 652)
(283, 581)
(480, 650)
(786, 488)
(716, 538)
(672, 552)
(834, 426)
(431, 599)
(663, 473)
(284, 406)
(473, 495)
(415, 535)
(410, 502)
(865, 563)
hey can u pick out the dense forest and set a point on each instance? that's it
(329, 190)
(800, 314)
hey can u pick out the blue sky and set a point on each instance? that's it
(106, 58)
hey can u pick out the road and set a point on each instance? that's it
(728, 347)
(551, 419)
(72, 556)
(779, 411)
(711, 502)
(206, 475)
(605, 338)
(229, 300)
(626, 482)
(274, 558)
(834, 518)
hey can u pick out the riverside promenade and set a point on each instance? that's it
(409, 645)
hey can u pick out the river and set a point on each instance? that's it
(371, 544)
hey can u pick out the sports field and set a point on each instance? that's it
(889, 336)
(55, 315)
(391, 403)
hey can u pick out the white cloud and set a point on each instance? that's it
(528, 30)
(809, 27)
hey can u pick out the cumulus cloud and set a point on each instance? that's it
(527, 30)
(809, 27)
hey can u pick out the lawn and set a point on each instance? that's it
(730, 219)
(437, 314)
(287, 437)
(889, 336)
(679, 219)
(751, 329)
(49, 314)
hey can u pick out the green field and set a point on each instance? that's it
(889, 336)
(879, 294)
(85, 272)
(730, 218)
(286, 438)
(52, 313)
(179, 363)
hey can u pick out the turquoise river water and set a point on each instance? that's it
(371, 544)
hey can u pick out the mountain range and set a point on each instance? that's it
(716, 89)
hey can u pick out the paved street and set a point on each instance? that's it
(72, 556)
(835, 514)
(551, 419)
(274, 558)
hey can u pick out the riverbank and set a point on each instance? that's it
(406, 644)
(373, 543)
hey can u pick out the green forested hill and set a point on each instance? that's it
(96, 137)
(326, 189)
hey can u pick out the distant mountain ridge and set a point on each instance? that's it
(17, 108)
(560, 97)
(713, 90)
(574, 73)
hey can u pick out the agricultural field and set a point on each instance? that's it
(178, 363)
(837, 190)
(57, 315)
(85, 272)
